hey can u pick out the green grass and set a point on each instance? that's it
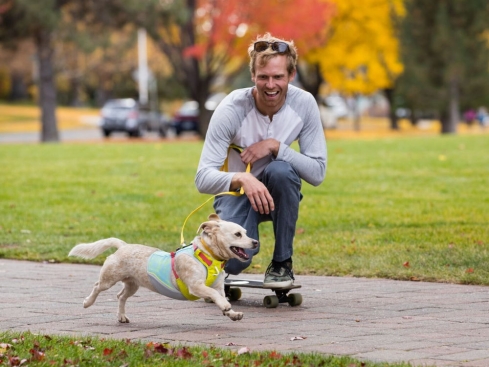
(43, 350)
(404, 208)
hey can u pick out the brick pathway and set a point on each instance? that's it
(426, 324)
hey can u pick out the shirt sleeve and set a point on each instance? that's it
(311, 160)
(222, 130)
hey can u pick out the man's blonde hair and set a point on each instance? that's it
(263, 57)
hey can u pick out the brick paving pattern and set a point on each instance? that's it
(425, 324)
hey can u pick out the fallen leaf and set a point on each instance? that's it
(257, 266)
(4, 347)
(107, 351)
(183, 353)
(14, 361)
(406, 264)
(275, 355)
(243, 350)
(300, 231)
(160, 348)
(414, 279)
(37, 355)
(469, 270)
(298, 338)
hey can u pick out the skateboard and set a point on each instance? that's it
(233, 292)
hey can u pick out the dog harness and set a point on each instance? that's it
(161, 265)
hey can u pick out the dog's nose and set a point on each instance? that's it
(255, 243)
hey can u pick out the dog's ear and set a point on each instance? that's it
(207, 226)
(214, 216)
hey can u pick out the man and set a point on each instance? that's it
(255, 127)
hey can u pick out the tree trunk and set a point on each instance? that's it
(355, 109)
(47, 88)
(310, 78)
(449, 125)
(389, 94)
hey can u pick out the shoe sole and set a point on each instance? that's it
(284, 284)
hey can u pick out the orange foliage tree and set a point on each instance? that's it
(214, 35)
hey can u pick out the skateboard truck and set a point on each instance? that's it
(233, 292)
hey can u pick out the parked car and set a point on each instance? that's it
(187, 117)
(123, 115)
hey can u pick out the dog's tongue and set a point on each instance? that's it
(241, 252)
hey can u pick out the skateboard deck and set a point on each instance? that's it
(233, 292)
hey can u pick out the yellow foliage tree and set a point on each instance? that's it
(361, 54)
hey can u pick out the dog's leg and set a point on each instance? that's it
(106, 281)
(97, 288)
(129, 289)
(202, 291)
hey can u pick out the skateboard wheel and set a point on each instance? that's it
(270, 301)
(234, 294)
(294, 299)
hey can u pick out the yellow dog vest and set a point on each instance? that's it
(213, 267)
(161, 264)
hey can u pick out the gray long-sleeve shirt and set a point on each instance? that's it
(237, 121)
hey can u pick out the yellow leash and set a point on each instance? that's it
(233, 193)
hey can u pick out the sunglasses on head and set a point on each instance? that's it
(280, 47)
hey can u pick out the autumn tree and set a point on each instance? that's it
(206, 39)
(202, 39)
(361, 54)
(446, 57)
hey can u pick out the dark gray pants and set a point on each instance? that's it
(284, 185)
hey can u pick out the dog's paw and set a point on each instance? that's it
(123, 319)
(235, 316)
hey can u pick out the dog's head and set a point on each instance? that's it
(226, 240)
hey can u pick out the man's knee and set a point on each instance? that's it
(281, 174)
(235, 267)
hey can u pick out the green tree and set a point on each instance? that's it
(36, 20)
(446, 57)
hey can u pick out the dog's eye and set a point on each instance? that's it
(238, 234)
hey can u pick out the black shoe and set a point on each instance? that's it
(279, 275)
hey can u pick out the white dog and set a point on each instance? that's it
(190, 273)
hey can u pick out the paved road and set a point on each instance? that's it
(87, 134)
(371, 319)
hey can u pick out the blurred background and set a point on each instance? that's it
(164, 65)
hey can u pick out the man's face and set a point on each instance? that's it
(271, 81)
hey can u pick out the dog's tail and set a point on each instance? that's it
(92, 250)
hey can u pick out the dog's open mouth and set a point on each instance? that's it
(240, 252)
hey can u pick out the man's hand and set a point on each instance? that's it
(257, 193)
(259, 150)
